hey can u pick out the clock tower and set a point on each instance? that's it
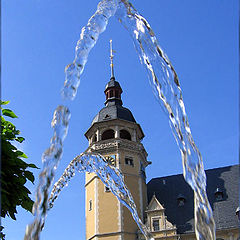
(116, 135)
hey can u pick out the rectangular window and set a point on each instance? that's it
(90, 205)
(155, 224)
(143, 174)
(129, 161)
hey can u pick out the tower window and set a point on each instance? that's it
(111, 93)
(129, 161)
(155, 225)
(116, 94)
(125, 134)
(143, 171)
(108, 134)
(90, 205)
(95, 138)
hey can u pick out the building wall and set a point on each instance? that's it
(108, 211)
(90, 199)
(108, 215)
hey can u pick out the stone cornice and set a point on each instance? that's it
(117, 144)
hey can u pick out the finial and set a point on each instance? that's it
(111, 58)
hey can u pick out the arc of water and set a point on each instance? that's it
(51, 157)
(166, 87)
(110, 176)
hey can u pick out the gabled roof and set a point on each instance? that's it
(154, 205)
(167, 190)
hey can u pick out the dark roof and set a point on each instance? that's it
(114, 112)
(114, 108)
(167, 189)
(113, 84)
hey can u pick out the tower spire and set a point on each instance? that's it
(111, 58)
(113, 89)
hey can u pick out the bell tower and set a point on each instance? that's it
(116, 135)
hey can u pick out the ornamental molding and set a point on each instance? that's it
(118, 144)
(104, 146)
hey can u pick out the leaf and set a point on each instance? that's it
(29, 176)
(2, 235)
(14, 176)
(21, 154)
(32, 165)
(12, 214)
(4, 102)
(27, 204)
(21, 180)
(20, 139)
(4, 191)
(2, 120)
(9, 113)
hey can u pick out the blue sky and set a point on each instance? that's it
(38, 41)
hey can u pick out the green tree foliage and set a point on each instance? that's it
(14, 173)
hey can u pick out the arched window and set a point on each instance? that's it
(125, 134)
(108, 134)
(111, 93)
(95, 138)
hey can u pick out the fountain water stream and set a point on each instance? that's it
(166, 87)
(110, 176)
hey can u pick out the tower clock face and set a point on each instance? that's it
(111, 159)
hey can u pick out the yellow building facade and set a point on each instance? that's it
(115, 135)
(165, 204)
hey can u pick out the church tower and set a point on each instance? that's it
(116, 135)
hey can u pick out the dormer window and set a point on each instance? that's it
(181, 200)
(107, 116)
(218, 194)
(237, 213)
